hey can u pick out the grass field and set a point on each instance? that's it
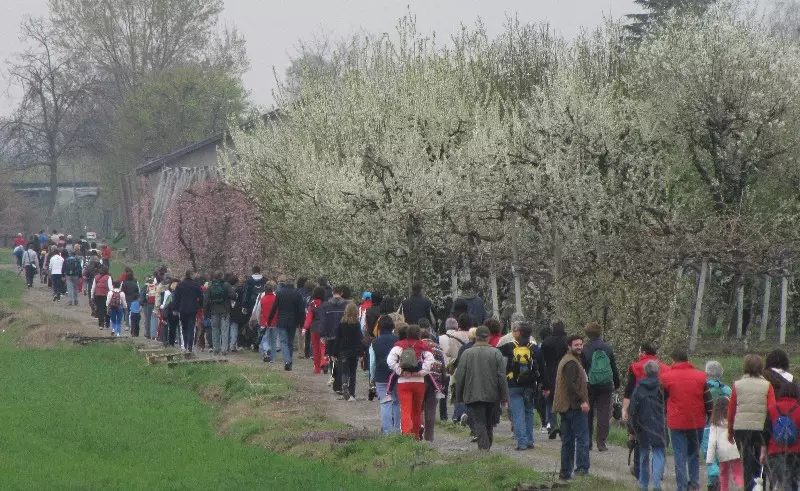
(141, 271)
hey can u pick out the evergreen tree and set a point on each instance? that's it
(654, 9)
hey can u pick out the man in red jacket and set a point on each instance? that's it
(689, 404)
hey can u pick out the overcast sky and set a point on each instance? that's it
(272, 28)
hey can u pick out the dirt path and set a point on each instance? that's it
(611, 465)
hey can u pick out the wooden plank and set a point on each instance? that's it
(207, 361)
(156, 359)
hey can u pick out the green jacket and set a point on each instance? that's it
(481, 375)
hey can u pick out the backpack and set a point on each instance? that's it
(151, 292)
(408, 358)
(116, 300)
(254, 289)
(784, 431)
(217, 293)
(600, 373)
(524, 369)
(72, 268)
(332, 315)
(716, 391)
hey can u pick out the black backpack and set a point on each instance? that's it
(332, 315)
(253, 290)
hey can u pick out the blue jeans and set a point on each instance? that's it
(574, 442)
(234, 334)
(459, 409)
(390, 411)
(686, 450)
(265, 345)
(116, 320)
(644, 466)
(552, 418)
(521, 402)
(153, 325)
(284, 340)
(72, 290)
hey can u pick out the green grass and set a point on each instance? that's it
(141, 270)
(12, 286)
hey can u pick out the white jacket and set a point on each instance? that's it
(719, 447)
(123, 304)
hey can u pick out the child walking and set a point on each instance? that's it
(116, 305)
(135, 311)
(720, 448)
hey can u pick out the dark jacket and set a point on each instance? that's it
(417, 307)
(347, 340)
(777, 380)
(252, 288)
(382, 345)
(588, 350)
(130, 288)
(236, 313)
(481, 375)
(475, 307)
(373, 314)
(289, 308)
(553, 349)
(648, 414)
(508, 351)
(188, 297)
(218, 308)
(333, 310)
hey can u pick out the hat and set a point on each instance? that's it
(366, 295)
(482, 333)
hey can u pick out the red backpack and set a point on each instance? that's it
(116, 300)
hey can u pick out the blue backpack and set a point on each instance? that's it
(784, 431)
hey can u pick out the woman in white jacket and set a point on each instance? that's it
(410, 381)
(719, 447)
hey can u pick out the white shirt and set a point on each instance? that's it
(122, 303)
(56, 263)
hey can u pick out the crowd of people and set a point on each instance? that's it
(421, 364)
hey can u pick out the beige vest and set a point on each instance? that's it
(751, 403)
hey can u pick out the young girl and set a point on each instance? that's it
(719, 447)
(116, 305)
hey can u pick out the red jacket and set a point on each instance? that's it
(310, 313)
(637, 367)
(266, 306)
(20, 241)
(785, 404)
(687, 401)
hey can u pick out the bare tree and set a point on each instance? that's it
(50, 121)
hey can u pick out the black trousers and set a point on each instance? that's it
(599, 406)
(171, 328)
(187, 328)
(100, 309)
(348, 364)
(485, 416)
(135, 318)
(749, 443)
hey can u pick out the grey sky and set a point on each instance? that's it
(272, 28)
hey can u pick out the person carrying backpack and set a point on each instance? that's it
(217, 300)
(601, 369)
(722, 450)
(72, 273)
(647, 426)
(116, 305)
(411, 361)
(717, 389)
(781, 455)
(524, 369)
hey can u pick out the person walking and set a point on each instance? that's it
(601, 368)
(346, 348)
(56, 266)
(553, 349)
(635, 375)
(269, 336)
(435, 384)
(72, 272)
(722, 451)
(314, 323)
(379, 374)
(130, 286)
(751, 396)
(470, 303)
(717, 389)
(410, 360)
(147, 302)
(481, 385)
(776, 371)
(188, 298)
(134, 307)
(217, 306)
(287, 313)
(571, 401)
(781, 455)
(688, 408)
(332, 312)
(647, 425)
(101, 285)
(116, 305)
(30, 262)
(524, 367)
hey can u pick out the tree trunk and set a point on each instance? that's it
(698, 305)
(784, 299)
(53, 198)
(515, 270)
(495, 296)
(739, 310)
(558, 255)
(674, 303)
(762, 336)
(453, 282)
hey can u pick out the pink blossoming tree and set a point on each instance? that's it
(212, 227)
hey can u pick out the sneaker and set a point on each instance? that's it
(531, 446)
(387, 398)
(463, 420)
(352, 399)
(341, 398)
(554, 434)
(287, 367)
